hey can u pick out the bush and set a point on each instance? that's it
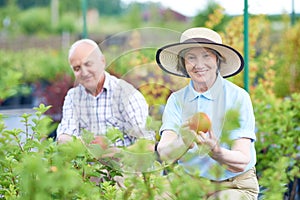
(288, 62)
(34, 167)
(278, 158)
(35, 65)
(67, 23)
(9, 83)
(35, 20)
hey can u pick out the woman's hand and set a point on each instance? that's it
(188, 136)
(209, 139)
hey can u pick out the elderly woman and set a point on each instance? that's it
(201, 56)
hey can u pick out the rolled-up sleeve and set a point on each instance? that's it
(246, 119)
(171, 119)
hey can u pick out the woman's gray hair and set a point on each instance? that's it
(181, 63)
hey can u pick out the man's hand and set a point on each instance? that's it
(64, 138)
(102, 141)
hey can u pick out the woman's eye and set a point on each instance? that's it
(205, 55)
(190, 57)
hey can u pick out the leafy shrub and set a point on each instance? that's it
(288, 62)
(278, 140)
(278, 130)
(67, 23)
(31, 68)
(35, 20)
(34, 167)
(35, 65)
(9, 83)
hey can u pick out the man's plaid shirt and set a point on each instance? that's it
(119, 105)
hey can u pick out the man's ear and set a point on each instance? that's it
(103, 59)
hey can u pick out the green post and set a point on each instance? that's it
(246, 47)
(293, 13)
(84, 9)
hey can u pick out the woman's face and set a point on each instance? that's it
(201, 66)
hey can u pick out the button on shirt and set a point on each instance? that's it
(221, 97)
(119, 105)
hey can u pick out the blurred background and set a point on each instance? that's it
(35, 36)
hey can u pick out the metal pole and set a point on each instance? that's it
(54, 12)
(293, 13)
(246, 47)
(84, 10)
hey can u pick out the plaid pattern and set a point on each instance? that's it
(119, 105)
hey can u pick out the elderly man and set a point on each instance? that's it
(99, 100)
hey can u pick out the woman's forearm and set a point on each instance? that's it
(235, 159)
(171, 147)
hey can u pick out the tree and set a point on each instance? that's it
(104, 7)
(212, 12)
(32, 3)
(70, 6)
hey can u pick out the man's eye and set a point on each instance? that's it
(88, 64)
(76, 68)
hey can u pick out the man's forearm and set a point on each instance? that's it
(64, 138)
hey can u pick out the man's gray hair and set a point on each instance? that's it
(88, 41)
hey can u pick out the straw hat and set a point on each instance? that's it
(167, 56)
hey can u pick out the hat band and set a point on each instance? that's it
(198, 40)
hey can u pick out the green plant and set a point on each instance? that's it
(35, 65)
(287, 64)
(34, 167)
(66, 23)
(35, 20)
(9, 83)
(278, 161)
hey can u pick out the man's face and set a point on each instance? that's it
(88, 65)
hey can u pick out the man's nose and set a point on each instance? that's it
(84, 71)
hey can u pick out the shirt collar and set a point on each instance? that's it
(106, 81)
(210, 94)
(106, 84)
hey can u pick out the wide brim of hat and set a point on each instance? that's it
(167, 58)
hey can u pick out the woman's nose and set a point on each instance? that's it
(197, 64)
